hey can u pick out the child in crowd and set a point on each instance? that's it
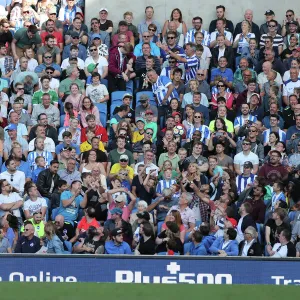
(40, 163)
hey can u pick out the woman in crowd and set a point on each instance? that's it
(74, 128)
(88, 108)
(176, 16)
(222, 92)
(146, 245)
(174, 216)
(75, 97)
(90, 163)
(52, 241)
(189, 117)
(199, 125)
(271, 144)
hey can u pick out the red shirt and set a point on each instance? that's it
(99, 131)
(83, 225)
(58, 37)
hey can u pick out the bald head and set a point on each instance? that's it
(248, 15)
(59, 221)
(267, 66)
(172, 26)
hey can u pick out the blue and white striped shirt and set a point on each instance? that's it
(190, 38)
(214, 35)
(164, 184)
(32, 156)
(281, 133)
(242, 181)
(160, 89)
(275, 198)
(205, 132)
(191, 67)
(240, 121)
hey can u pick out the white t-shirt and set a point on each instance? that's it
(17, 180)
(11, 198)
(54, 84)
(32, 64)
(96, 92)
(241, 158)
(34, 206)
(206, 53)
(49, 145)
(288, 87)
(65, 63)
(102, 62)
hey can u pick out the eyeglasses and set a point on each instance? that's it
(170, 37)
(197, 117)
(47, 57)
(146, 36)
(252, 130)
(246, 144)
(92, 50)
(151, 29)
(272, 26)
(20, 89)
(220, 85)
(200, 74)
(26, 12)
(288, 16)
(123, 160)
(123, 174)
(50, 72)
(149, 133)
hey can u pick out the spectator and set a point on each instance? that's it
(28, 243)
(250, 246)
(117, 244)
(226, 246)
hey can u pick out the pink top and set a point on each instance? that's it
(76, 103)
(95, 112)
(228, 97)
(126, 211)
(67, 118)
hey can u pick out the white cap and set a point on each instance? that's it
(103, 8)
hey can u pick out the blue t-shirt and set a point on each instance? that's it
(112, 248)
(60, 146)
(70, 212)
(228, 74)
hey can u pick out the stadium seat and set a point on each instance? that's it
(117, 96)
(149, 94)
(114, 105)
(103, 118)
(102, 107)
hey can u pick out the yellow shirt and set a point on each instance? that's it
(228, 124)
(86, 146)
(136, 137)
(117, 167)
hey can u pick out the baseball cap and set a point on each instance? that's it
(11, 127)
(232, 221)
(143, 215)
(176, 113)
(103, 8)
(52, 11)
(293, 23)
(124, 156)
(96, 35)
(144, 98)
(127, 95)
(248, 164)
(123, 23)
(80, 13)
(74, 34)
(148, 112)
(269, 12)
(140, 120)
(65, 149)
(117, 211)
(116, 231)
(120, 198)
(91, 67)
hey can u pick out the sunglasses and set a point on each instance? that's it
(172, 61)
(53, 14)
(288, 16)
(26, 229)
(220, 85)
(200, 74)
(246, 144)
(47, 56)
(123, 160)
(146, 36)
(93, 50)
(97, 39)
(149, 133)
(151, 29)
(272, 26)
(50, 72)
(197, 117)
(122, 174)
(26, 12)
(76, 38)
(170, 37)
(252, 130)
(20, 89)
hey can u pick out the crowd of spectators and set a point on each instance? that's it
(153, 138)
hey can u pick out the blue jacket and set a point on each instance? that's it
(55, 245)
(231, 249)
(197, 250)
(207, 241)
(112, 248)
(81, 54)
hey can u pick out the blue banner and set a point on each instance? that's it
(129, 269)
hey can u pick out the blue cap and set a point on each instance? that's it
(117, 211)
(96, 35)
(11, 127)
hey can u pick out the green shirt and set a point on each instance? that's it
(64, 86)
(23, 40)
(39, 228)
(164, 156)
(114, 157)
(37, 96)
(153, 126)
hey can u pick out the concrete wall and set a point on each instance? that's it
(191, 8)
